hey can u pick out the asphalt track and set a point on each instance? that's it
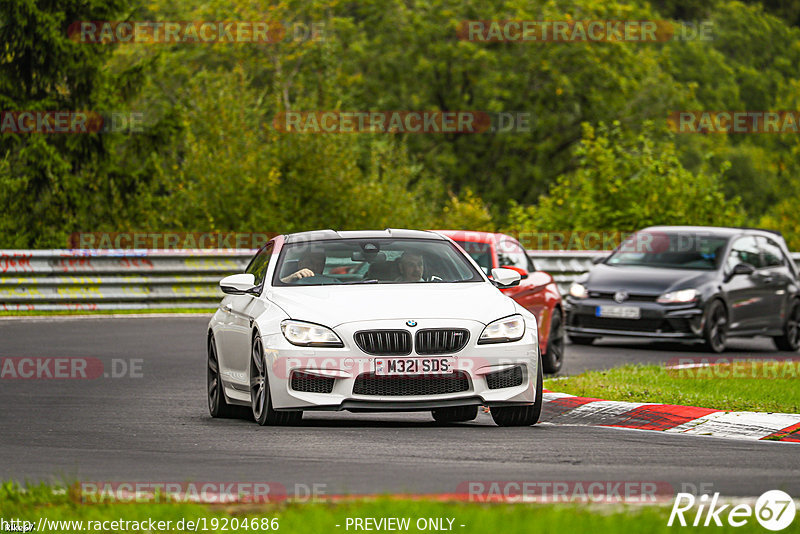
(156, 427)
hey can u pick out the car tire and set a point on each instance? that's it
(260, 397)
(553, 359)
(790, 340)
(457, 414)
(715, 329)
(521, 415)
(581, 340)
(217, 405)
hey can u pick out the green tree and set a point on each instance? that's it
(624, 182)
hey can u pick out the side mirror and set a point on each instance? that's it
(505, 277)
(523, 274)
(741, 268)
(238, 284)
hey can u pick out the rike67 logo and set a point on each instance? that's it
(774, 510)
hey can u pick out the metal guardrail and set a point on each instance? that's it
(115, 279)
(156, 279)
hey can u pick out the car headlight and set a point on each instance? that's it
(578, 291)
(682, 296)
(503, 330)
(309, 334)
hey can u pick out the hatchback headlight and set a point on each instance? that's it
(682, 296)
(309, 334)
(578, 291)
(503, 330)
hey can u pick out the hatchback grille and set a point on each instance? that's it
(609, 323)
(396, 386)
(507, 378)
(630, 298)
(311, 383)
(441, 340)
(384, 342)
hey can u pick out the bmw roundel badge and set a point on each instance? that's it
(412, 323)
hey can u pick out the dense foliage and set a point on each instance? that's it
(598, 154)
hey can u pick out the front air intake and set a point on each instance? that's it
(410, 385)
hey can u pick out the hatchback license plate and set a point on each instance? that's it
(619, 312)
(414, 366)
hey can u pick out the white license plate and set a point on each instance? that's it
(619, 312)
(414, 366)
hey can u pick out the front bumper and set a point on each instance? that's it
(664, 321)
(346, 378)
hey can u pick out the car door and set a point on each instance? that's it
(747, 294)
(777, 279)
(237, 336)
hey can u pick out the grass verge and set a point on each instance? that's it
(739, 386)
(311, 518)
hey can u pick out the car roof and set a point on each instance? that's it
(722, 231)
(326, 235)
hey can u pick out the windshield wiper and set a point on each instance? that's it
(371, 281)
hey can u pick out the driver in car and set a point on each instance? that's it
(411, 266)
(310, 264)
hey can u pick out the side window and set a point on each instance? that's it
(258, 266)
(772, 253)
(744, 250)
(510, 253)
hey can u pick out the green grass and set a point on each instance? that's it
(24, 313)
(300, 518)
(723, 387)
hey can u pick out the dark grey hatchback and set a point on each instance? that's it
(690, 283)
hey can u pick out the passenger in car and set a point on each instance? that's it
(310, 264)
(411, 266)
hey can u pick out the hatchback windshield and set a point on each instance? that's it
(374, 261)
(677, 250)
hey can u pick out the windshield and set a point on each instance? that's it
(678, 250)
(480, 252)
(373, 261)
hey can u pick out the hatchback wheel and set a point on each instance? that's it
(715, 331)
(790, 340)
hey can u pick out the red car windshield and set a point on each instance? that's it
(480, 252)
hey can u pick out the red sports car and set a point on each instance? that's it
(537, 291)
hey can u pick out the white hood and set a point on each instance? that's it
(333, 305)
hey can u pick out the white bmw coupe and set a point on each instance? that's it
(388, 321)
